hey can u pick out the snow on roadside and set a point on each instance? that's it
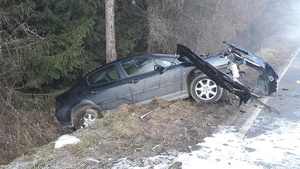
(65, 140)
(277, 148)
(274, 149)
(223, 150)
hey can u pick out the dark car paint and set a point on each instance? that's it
(168, 84)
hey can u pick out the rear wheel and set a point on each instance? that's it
(203, 89)
(85, 117)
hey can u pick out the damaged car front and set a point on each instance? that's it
(266, 82)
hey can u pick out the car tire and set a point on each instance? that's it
(85, 117)
(203, 89)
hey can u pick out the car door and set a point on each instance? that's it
(106, 88)
(170, 78)
(143, 80)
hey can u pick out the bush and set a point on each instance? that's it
(26, 122)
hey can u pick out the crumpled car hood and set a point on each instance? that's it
(228, 82)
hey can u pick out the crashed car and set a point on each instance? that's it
(138, 79)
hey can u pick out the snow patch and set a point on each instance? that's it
(65, 140)
(276, 148)
(222, 150)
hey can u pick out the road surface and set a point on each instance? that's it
(281, 132)
(267, 139)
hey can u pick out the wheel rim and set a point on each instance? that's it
(206, 89)
(89, 117)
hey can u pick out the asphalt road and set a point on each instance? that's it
(261, 138)
(280, 131)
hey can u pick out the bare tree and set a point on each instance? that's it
(180, 21)
(1, 37)
(110, 31)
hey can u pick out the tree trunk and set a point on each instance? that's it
(1, 38)
(110, 31)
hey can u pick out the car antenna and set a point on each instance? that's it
(196, 44)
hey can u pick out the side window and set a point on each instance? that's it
(104, 75)
(163, 63)
(138, 66)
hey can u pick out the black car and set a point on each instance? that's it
(138, 79)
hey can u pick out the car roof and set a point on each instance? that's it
(162, 56)
(166, 56)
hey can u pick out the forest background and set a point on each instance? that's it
(47, 45)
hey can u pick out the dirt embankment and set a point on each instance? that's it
(172, 127)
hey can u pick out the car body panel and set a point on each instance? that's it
(143, 86)
(268, 76)
(170, 80)
(68, 100)
(216, 60)
(224, 80)
(105, 88)
(109, 95)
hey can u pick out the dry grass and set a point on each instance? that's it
(25, 125)
(173, 127)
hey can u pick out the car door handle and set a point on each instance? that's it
(94, 92)
(134, 80)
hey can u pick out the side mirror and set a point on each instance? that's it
(160, 69)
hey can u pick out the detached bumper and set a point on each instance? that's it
(267, 81)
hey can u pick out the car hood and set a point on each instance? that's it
(224, 80)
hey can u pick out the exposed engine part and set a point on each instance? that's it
(234, 70)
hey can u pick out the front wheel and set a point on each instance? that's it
(203, 89)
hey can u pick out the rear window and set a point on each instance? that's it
(104, 75)
(138, 66)
(142, 65)
(163, 63)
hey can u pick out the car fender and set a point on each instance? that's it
(84, 103)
